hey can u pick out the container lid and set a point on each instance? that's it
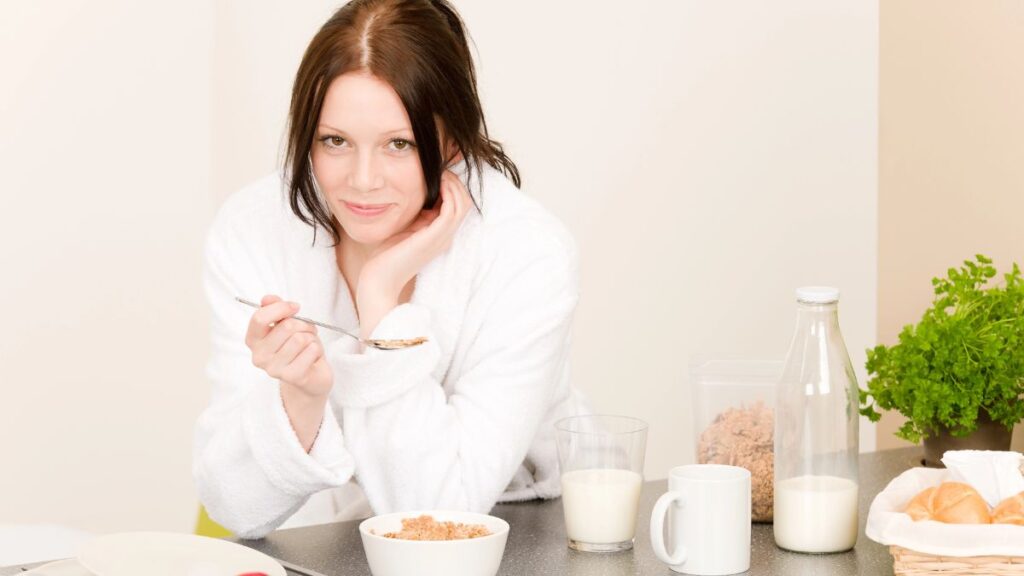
(817, 294)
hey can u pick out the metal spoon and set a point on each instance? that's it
(380, 344)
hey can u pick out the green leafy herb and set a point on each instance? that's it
(965, 356)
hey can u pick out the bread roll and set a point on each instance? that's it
(1010, 511)
(920, 508)
(950, 502)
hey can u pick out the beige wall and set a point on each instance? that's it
(706, 161)
(951, 168)
(257, 49)
(105, 155)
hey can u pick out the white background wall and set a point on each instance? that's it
(708, 156)
(105, 152)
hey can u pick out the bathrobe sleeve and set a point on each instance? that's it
(249, 468)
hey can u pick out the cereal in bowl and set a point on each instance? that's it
(426, 528)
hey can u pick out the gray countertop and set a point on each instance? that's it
(537, 542)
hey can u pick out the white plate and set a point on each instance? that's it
(169, 554)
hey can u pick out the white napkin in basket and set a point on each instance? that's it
(995, 475)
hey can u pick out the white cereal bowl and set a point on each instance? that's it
(470, 557)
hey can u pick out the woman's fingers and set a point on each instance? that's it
(448, 205)
(264, 349)
(465, 198)
(460, 194)
(453, 192)
(424, 219)
(264, 319)
(287, 349)
(291, 348)
(296, 371)
(434, 222)
(456, 198)
(441, 227)
(270, 327)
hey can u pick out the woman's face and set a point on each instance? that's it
(365, 159)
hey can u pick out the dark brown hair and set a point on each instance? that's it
(418, 47)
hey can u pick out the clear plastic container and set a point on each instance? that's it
(816, 442)
(733, 421)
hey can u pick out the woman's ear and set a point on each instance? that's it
(452, 154)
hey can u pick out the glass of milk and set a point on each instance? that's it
(602, 462)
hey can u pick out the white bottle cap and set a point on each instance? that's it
(817, 294)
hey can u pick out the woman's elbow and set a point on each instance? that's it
(246, 518)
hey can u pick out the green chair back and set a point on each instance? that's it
(205, 526)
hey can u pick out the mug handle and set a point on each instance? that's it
(658, 529)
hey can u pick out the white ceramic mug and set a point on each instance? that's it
(708, 510)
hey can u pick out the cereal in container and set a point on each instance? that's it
(734, 423)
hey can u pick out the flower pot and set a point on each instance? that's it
(988, 436)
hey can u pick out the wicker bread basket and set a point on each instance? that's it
(910, 563)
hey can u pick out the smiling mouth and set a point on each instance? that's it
(366, 210)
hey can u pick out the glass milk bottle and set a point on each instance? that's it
(816, 433)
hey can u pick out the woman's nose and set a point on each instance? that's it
(366, 174)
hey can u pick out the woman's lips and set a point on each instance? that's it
(366, 210)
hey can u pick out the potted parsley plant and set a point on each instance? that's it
(958, 374)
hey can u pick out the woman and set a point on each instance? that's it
(372, 226)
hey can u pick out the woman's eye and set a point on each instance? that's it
(333, 141)
(401, 145)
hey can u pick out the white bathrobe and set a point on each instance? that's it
(461, 422)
